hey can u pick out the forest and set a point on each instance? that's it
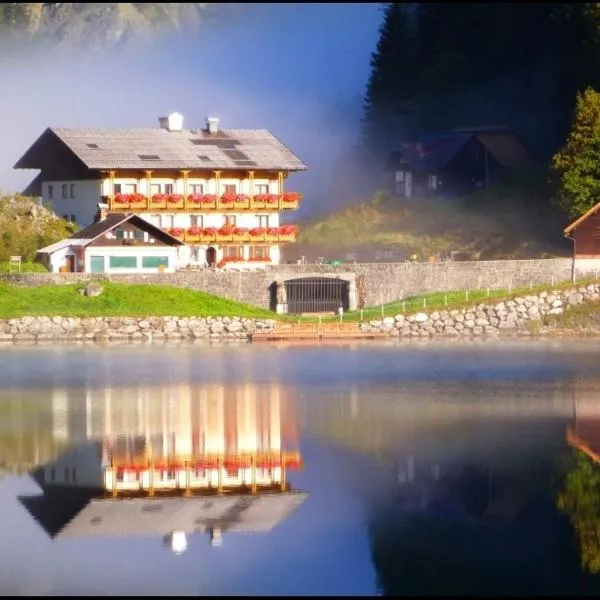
(439, 66)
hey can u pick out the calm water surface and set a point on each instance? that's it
(423, 469)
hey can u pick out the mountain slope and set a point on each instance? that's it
(95, 24)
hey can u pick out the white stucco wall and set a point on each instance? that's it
(217, 220)
(137, 251)
(209, 184)
(83, 205)
(56, 260)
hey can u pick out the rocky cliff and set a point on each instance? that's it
(97, 25)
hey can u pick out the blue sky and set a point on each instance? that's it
(296, 69)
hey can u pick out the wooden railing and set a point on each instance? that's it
(148, 205)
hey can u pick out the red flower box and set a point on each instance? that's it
(159, 199)
(194, 230)
(228, 198)
(208, 231)
(272, 230)
(287, 229)
(195, 198)
(257, 231)
(240, 198)
(240, 231)
(267, 198)
(292, 197)
(175, 198)
(209, 199)
(176, 231)
(226, 230)
(129, 198)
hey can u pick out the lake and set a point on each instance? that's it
(359, 468)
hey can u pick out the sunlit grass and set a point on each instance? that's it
(119, 300)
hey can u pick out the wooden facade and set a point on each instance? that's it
(585, 233)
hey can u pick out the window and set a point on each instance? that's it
(196, 221)
(138, 234)
(166, 221)
(230, 220)
(122, 262)
(194, 253)
(168, 188)
(120, 233)
(65, 189)
(153, 262)
(72, 191)
(263, 220)
(432, 182)
(117, 188)
(50, 192)
(72, 219)
(230, 189)
(196, 188)
(94, 146)
(148, 156)
(261, 188)
(155, 188)
(259, 252)
(232, 252)
(130, 188)
(399, 176)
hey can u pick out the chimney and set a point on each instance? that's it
(212, 125)
(172, 122)
(102, 212)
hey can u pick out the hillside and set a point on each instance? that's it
(96, 24)
(506, 222)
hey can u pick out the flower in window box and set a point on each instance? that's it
(174, 198)
(273, 231)
(271, 198)
(240, 233)
(241, 199)
(209, 231)
(260, 197)
(257, 232)
(193, 230)
(176, 231)
(287, 229)
(228, 198)
(292, 197)
(195, 198)
(159, 199)
(226, 230)
(122, 199)
(209, 199)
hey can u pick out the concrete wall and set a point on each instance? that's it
(384, 282)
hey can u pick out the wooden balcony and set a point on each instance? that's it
(122, 203)
(275, 235)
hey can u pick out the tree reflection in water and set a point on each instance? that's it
(580, 500)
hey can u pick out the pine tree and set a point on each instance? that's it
(389, 98)
(576, 167)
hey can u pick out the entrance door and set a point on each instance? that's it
(70, 263)
(211, 256)
(96, 264)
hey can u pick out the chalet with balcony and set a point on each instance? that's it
(219, 191)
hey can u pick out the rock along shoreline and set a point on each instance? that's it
(516, 316)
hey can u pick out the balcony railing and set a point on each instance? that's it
(202, 203)
(231, 235)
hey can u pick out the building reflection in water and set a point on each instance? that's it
(170, 462)
(584, 431)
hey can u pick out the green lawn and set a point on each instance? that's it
(26, 267)
(118, 300)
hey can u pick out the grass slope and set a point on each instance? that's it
(119, 300)
(515, 220)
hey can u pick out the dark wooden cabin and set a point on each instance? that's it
(456, 163)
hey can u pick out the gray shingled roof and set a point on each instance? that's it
(187, 149)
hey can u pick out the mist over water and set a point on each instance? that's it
(280, 67)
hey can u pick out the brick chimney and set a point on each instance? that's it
(102, 212)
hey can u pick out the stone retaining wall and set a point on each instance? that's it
(510, 316)
(384, 282)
